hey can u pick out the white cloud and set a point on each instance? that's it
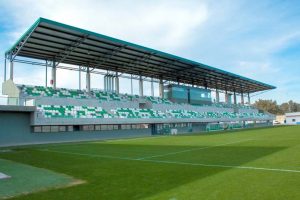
(158, 24)
(164, 25)
(254, 69)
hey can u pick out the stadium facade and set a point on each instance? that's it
(42, 114)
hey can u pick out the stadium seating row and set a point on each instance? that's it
(40, 91)
(138, 113)
(36, 91)
(56, 111)
(157, 100)
(50, 92)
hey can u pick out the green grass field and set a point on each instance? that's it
(249, 164)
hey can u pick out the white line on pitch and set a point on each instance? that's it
(193, 149)
(224, 166)
(175, 162)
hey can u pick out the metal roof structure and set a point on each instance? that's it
(54, 41)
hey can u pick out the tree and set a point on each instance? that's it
(294, 107)
(285, 107)
(269, 106)
(272, 107)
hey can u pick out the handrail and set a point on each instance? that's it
(16, 101)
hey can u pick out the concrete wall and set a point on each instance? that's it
(10, 89)
(15, 130)
(292, 118)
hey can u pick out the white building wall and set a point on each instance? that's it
(292, 118)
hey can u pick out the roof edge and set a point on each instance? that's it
(33, 26)
(84, 31)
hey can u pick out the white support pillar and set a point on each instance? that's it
(53, 78)
(104, 82)
(108, 83)
(141, 87)
(152, 87)
(88, 79)
(46, 75)
(226, 97)
(242, 98)
(217, 96)
(79, 77)
(249, 102)
(234, 98)
(161, 88)
(112, 83)
(230, 98)
(117, 83)
(11, 70)
(131, 85)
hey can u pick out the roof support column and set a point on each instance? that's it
(152, 87)
(117, 83)
(112, 84)
(242, 98)
(249, 102)
(229, 98)
(11, 68)
(88, 79)
(141, 86)
(108, 83)
(53, 74)
(161, 88)
(234, 97)
(79, 77)
(46, 75)
(131, 85)
(226, 97)
(217, 96)
(105, 83)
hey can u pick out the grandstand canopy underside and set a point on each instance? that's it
(53, 41)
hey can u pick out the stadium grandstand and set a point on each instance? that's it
(44, 114)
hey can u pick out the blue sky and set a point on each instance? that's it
(256, 39)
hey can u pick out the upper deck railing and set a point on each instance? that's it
(16, 101)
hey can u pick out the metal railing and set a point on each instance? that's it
(16, 101)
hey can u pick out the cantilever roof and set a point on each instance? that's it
(51, 40)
